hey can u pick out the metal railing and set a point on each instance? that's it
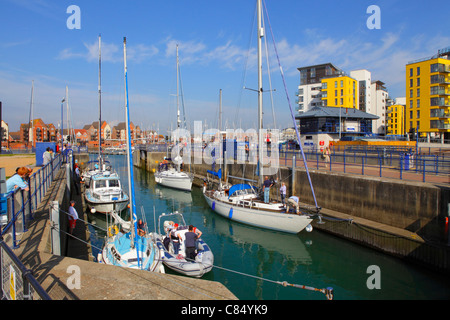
(376, 163)
(21, 204)
(17, 282)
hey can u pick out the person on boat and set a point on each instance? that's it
(190, 240)
(197, 232)
(292, 202)
(283, 192)
(141, 228)
(266, 188)
(164, 164)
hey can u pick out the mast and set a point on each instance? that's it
(178, 95)
(129, 159)
(260, 34)
(67, 106)
(220, 111)
(31, 132)
(100, 101)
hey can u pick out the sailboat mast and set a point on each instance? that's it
(100, 101)
(178, 94)
(260, 93)
(129, 159)
(67, 107)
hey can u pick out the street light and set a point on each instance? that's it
(62, 124)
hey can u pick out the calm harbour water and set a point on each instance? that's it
(313, 259)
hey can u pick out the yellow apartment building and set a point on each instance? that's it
(395, 120)
(428, 96)
(339, 91)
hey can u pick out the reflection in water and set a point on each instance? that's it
(315, 259)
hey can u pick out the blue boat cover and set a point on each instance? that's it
(236, 187)
(217, 174)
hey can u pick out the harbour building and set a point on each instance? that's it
(428, 95)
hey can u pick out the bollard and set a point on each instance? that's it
(54, 216)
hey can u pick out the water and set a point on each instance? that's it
(314, 259)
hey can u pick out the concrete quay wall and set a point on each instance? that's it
(401, 218)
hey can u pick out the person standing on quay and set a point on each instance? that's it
(73, 216)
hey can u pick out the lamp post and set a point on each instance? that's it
(62, 124)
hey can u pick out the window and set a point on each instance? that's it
(411, 104)
(418, 103)
(335, 84)
(418, 81)
(410, 93)
(410, 72)
(410, 82)
(342, 83)
(410, 114)
(324, 85)
(418, 71)
(418, 92)
(418, 114)
(342, 101)
(313, 72)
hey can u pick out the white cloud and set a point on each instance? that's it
(110, 52)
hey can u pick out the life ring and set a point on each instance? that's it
(112, 231)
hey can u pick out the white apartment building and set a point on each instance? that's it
(373, 97)
(309, 96)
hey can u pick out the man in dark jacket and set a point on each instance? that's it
(191, 237)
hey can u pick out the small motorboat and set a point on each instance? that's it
(177, 261)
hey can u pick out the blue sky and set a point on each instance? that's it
(217, 51)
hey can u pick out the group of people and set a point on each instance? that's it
(291, 202)
(21, 180)
(175, 236)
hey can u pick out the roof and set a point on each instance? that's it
(333, 112)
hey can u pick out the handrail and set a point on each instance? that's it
(40, 181)
(28, 281)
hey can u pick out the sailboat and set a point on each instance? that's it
(170, 174)
(126, 245)
(241, 202)
(104, 191)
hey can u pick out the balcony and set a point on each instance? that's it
(439, 102)
(439, 79)
(440, 68)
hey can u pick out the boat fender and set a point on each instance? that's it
(309, 228)
(112, 231)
